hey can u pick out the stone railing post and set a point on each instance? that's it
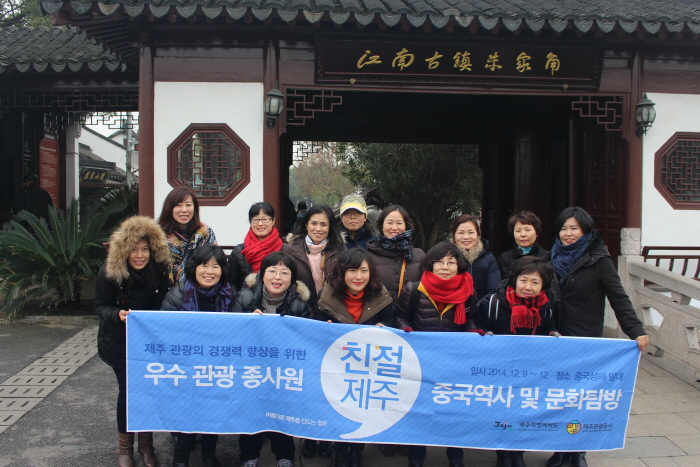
(630, 250)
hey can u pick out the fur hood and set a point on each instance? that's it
(252, 280)
(473, 253)
(125, 238)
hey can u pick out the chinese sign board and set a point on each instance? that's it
(48, 168)
(245, 373)
(522, 62)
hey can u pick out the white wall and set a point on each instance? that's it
(661, 224)
(240, 106)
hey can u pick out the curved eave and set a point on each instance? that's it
(416, 13)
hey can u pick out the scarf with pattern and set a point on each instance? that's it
(403, 242)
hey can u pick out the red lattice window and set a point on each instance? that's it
(211, 159)
(677, 171)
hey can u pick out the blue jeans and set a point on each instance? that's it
(416, 454)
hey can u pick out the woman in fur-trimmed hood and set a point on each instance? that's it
(273, 290)
(134, 277)
(482, 265)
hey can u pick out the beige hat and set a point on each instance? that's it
(353, 202)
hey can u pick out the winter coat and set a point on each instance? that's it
(493, 314)
(173, 300)
(295, 301)
(483, 268)
(361, 237)
(507, 260)
(296, 248)
(583, 291)
(115, 290)
(379, 310)
(415, 309)
(389, 264)
(180, 249)
(238, 267)
(35, 200)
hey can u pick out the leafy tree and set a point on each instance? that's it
(22, 13)
(429, 180)
(320, 177)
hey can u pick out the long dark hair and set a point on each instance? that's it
(175, 197)
(410, 225)
(201, 255)
(352, 259)
(585, 221)
(334, 238)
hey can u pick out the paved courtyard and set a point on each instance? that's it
(57, 409)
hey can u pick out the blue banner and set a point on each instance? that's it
(245, 373)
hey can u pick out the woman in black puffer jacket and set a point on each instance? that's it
(135, 276)
(274, 289)
(442, 301)
(204, 287)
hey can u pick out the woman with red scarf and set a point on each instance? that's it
(440, 302)
(520, 306)
(261, 240)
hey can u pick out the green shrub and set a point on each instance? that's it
(54, 262)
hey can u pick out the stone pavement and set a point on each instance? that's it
(57, 403)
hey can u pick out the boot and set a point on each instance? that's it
(578, 459)
(148, 456)
(308, 449)
(557, 459)
(341, 459)
(325, 449)
(502, 458)
(125, 451)
(516, 459)
(355, 458)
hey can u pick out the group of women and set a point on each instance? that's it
(341, 272)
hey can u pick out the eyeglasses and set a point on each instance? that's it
(273, 272)
(449, 264)
(258, 220)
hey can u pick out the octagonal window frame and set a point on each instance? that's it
(659, 184)
(236, 141)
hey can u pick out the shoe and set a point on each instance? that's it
(355, 458)
(285, 463)
(402, 450)
(325, 449)
(557, 459)
(308, 449)
(125, 450)
(578, 459)
(411, 464)
(341, 459)
(456, 464)
(388, 449)
(250, 463)
(210, 462)
(516, 459)
(502, 458)
(148, 455)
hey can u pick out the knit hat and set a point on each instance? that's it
(356, 202)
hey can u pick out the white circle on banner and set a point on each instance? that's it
(371, 376)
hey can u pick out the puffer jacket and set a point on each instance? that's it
(379, 310)
(238, 267)
(583, 291)
(116, 290)
(361, 237)
(507, 260)
(493, 314)
(295, 301)
(415, 309)
(173, 300)
(483, 268)
(389, 264)
(296, 248)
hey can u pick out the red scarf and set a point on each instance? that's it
(355, 304)
(455, 290)
(255, 250)
(525, 311)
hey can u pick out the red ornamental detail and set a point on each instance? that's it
(607, 110)
(303, 104)
(677, 171)
(211, 159)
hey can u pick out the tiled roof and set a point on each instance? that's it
(649, 15)
(41, 49)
